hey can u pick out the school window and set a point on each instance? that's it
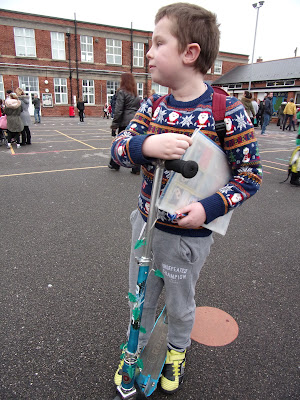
(111, 88)
(140, 90)
(161, 90)
(209, 71)
(2, 96)
(87, 50)
(88, 91)
(29, 83)
(60, 91)
(138, 54)
(58, 46)
(113, 51)
(25, 42)
(218, 67)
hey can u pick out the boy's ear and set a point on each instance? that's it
(191, 53)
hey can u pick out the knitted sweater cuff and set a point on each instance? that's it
(135, 150)
(214, 207)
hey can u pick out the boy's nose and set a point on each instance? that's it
(148, 55)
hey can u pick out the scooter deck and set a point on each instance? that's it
(154, 356)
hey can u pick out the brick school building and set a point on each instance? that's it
(62, 60)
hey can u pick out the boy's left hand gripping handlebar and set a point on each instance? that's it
(188, 169)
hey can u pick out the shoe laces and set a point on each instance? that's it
(176, 358)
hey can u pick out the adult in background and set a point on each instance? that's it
(113, 104)
(25, 116)
(260, 114)
(289, 114)
(281, 114)
(247, 103)
(127, 104)
(13, 109)
(268, 112)
(255, 107)
(37, 108)
(80, 107)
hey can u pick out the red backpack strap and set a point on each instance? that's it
(157, 102)
(218, 110)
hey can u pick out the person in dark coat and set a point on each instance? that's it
(127, 104)
(37, 109)
(80, 107)
(113, 104)
(268, 112)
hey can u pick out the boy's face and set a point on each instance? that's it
(165, 62)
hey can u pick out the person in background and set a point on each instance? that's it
(113, 104)
(281, 114)
(260, 114)
(80, 107)
(127, 104)
(255, 107)
(268, 112)
(1, 130)
(298, 121)
(13, 109)
(247, 103)
(289, 114)
(37, 108)
(25, 116)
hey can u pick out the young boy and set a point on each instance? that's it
(185, 44)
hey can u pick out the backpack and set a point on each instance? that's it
(218, 110)
(294, 168)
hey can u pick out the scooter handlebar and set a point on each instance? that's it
(188, 169)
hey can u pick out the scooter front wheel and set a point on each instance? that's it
(138, 396)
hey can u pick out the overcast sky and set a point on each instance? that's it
(277, 36)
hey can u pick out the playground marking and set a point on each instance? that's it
(51, 171)
(269, 166)
(61, 151)
(214, 327)
(76, 140)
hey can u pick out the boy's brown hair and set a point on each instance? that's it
(194, 24)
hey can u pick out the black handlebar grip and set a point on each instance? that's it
(188, 169)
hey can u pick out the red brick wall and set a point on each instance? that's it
(44, 58)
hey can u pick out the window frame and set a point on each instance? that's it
(62, 94)
(2, 91)
(58, 45)
(86, 94)
(218, 68)
(86, 52)
(159, 89)
(111, 86)
(138, 56)
(114, 55)
(140, 89)
(27, 39)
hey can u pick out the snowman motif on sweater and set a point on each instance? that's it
(246, 155)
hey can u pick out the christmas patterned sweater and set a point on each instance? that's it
(240, 147)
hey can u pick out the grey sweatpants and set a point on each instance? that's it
(180, 259)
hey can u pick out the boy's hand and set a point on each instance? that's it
(195, 218)
(167, 146)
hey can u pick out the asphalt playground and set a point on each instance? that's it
(64, 247)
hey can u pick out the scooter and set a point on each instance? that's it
(141, 372)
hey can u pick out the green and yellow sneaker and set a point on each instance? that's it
(118, 374)
(173, 371)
